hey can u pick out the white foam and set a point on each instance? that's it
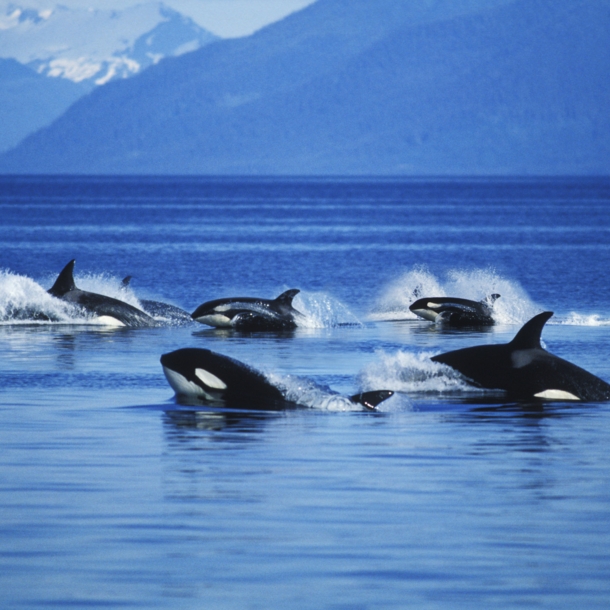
(577, 319)
(409, 372)
(395, 300)
(108, 286)
(307, 393)
(22, 299)
(321, 310)
(513, 307)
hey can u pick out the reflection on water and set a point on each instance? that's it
(418, 505)
(179, 421)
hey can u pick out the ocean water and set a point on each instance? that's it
(114, 495)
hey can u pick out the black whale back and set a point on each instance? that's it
(486, 366)
(98, 304)
(524, 369)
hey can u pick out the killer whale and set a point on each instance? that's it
(218, 379)
(250, 313)
(525, 370)
(158, 309)
(456, 311)
(104, 307)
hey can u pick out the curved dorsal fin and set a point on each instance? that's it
(529, 335)
(65, 281)
(285, 299)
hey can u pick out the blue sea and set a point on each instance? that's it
(115, 495)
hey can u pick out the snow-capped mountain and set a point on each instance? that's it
(359, 87)
(93, 47)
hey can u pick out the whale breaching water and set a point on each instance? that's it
(455, 311)
(525, 370)
(218, 379)
(106, 309)
(250, 313)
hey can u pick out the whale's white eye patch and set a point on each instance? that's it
(210, 380)
(432, 305)
(556, 395)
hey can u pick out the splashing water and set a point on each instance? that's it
(412, 373)
(309, 394)
(321, 310)
(22, 300)
(108, 286)
(576, 319)
(514, 306)
(394, 302)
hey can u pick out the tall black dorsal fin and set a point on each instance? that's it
(529, 335)
(65, 281)
(370, 400)
(285, 299)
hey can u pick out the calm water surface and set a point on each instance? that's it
(113, 495)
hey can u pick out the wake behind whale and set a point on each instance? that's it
(520, 370)
(105, 308)
(98, 300)
(476, 285)
(293, 309)
(24, 301)
(216, 379)
(524, 369)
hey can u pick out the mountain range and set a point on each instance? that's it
(82, 48)
(29, 101)
(353, 87)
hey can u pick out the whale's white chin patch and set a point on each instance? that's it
(217, 320)
(210, 380)
(426, 314)
(108, 321)
(556, 395)
(181, 385)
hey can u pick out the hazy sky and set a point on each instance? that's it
(227, 18)
(236, 17)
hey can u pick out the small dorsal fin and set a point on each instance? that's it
(529, 335)
(65, 281)
(126, 281)
(370, 400)
(285, 299)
